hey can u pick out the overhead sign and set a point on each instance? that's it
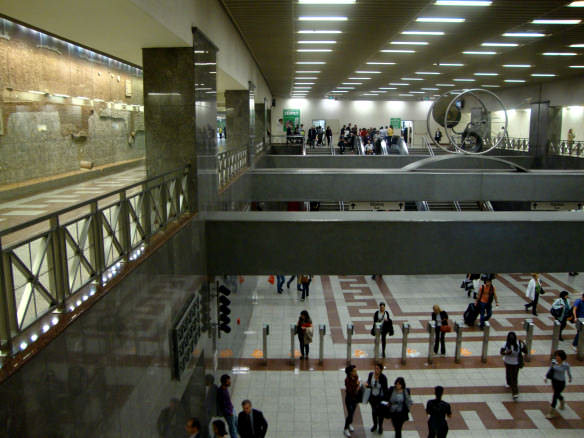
(291, 117)
(375, 206)
(395, 123)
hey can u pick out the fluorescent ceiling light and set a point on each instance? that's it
(327, 2)
(412, 79)
(302, 88)
(517, 65)
(380, 63)
(397, 51)
(378, 91)
(387, 88)
(305, 78)
(577, 66)
(578, 4)
(307, 71)
(515, 80)
(430, 89)
(486, 74)
(409, 43)
(313, 50)
(304, 83)
(543, 75)
(559, 54)
(439, 20)
(499, 44)
(369, 94)
(417, 92)
(478, 52)
(422, 32)
(445, 85)
(399, 84)
(310, 62)
(318, 42)
(556, 21)
(360, 79)
(524, 34)
(352, 83)
(490, 86)
(406, 95)
(322, 18)
(451, 65)
(576, 45)
(427, 73)
(463, 3)
(345, 88)
(365, 72)
(338, 91)
(320, 32)
(464, 80)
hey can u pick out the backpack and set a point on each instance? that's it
(490, 292)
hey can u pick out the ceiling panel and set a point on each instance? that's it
(270, 27)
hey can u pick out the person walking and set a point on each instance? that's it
(512, 352)
(533, 292)
(485, 300)
(305, 284)
(571, 138)
(193, 428)
(577, 313)
(377, 382)
(251, 422)
(400, 401)
(381, 316)
(561, 311)
(329, 136)
(557, 373)
(219, 430)
(352, 387)
(441, 318)
(437, 411)
(225, 407)
(297, 277)
(305, 331)
(280, 280)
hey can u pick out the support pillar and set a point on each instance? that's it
(238, 120)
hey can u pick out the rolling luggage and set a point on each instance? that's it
(470, 314)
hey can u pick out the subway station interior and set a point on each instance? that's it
(169, 167)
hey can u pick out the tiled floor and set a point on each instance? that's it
(305, 399)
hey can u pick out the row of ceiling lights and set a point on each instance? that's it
(302, 88)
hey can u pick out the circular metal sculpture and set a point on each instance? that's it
(475, 121)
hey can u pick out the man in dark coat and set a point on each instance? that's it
(251, 422)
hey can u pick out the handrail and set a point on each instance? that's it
(428, 145)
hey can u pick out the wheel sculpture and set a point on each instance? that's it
(475, 121)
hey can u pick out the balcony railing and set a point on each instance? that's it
(230, 164)
(564, 148)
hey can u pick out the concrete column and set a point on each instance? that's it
(237, 118)
(260, 122)
(544, 128)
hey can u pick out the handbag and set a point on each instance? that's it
(520, 359)
(366, 395)
(550, 373)
(445, 328)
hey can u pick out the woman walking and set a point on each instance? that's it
(399, 405)
(381, 316)
(441, 318)
(557, 373)
(377, 382)
(437, 411)
(561, 311)
(532, 293)
(352, 387)
(304, 331)
(513, 359)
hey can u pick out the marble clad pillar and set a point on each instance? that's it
(237, 118)
(260, 122)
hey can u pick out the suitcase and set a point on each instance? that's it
(470, 314)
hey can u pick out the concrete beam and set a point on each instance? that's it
(393, 243)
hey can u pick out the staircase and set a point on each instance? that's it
(318, 150)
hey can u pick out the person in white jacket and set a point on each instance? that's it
(532, 293)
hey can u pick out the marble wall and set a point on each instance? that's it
(61, 104)
(238, 120)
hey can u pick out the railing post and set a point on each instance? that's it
(458, 326)
(321, 332)
(528, 326)
(580, 345)
(57, 263)
(485, 350)
(377, 328)
(146, 212)
(555, 337)
(176, 194)
(350, 329)
(405, 333)
(292, 333)
(8, 325)
(431, 335)
(265, 333)
(96, 246)
(163, 204)
(124, 221)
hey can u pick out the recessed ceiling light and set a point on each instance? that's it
(313, 50)
(515, 80)
(406, 95)
(307, 71)
(412, 79)
(387, 88)
(327, 2)
(397, 51)
(409, 43)
(559, 54)
(345, 88)
(543, 75)
(450, 64)
(310, 62)
(338, 91)
(422, 32)
(318, 42)
(576, 45)
(556, 21)
(578, 4)
(399, 84)
(305, 78)
(417, 92)
(478, 52)
(463, 3)
(378, 91)
(517, 65)
(524, 34)
(464, 80)
(490, 86)
(577, 66)
(430, 89)
(302, 88)
(365, 72)
(380, 63)
(360, 79)
(370, 94)
(439, 20)
(304, 83)
(320, 32)
(445, 85)
(427, 73)
(352, 83)
(322, 18)
(486, 74)
(499, 44)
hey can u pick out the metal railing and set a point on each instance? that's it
(563, 147)
(47, 271)
(230, 164)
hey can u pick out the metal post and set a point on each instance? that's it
(265, 333)
(458, 330)
(432, 334)
(377, 327)
(163, 204)
(146, 212)
(485, 351)
(555, 337)
(176, 194)
(322, 332)
(191, 188)
(528, 326)
(292, 333)
(57, 263)
(7, 324)
(350, 329)
(405, 333)
(580, 346)
(124, 221)
(97, 252)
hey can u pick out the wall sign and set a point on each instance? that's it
(291, 117)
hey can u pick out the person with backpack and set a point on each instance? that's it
(533, 291)
(305, 284)
(400, 402)
(485, 300)
(352, 390)
(305, 332)
(577, 313)
(381, 316)
(512, 352)
(557, 373)
(377, 383)
(561, 311)
(437, 411)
